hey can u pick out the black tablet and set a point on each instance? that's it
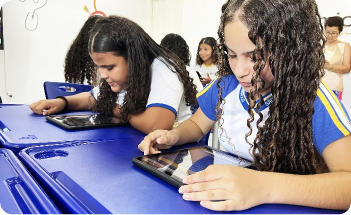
(173, 166)
(87, 121)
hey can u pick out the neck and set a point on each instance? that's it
(208, 62)
(332, 43)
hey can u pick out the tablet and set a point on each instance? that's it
(174, 166)
(86, 121)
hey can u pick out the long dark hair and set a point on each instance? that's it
(288, 33)
(176, 44)
(78, 64)
(211, 42)
(127, 39)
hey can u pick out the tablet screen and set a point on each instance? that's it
(84, 121)
(178, 164)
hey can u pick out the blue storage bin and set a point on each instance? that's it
(20, 193)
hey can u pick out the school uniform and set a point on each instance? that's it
(330, 120)
(166, 91)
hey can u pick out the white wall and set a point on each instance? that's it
(32, 57)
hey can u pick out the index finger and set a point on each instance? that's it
(149, 141)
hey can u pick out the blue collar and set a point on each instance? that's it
(268, 99)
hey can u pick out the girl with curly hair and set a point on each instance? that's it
(273, 110)
(176, 44)
(141, 82)
(79, 67)
(206, 59)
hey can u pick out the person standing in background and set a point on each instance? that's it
(176, 44)
(337, 55)
(206, 59)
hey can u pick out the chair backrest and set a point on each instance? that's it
(54, 89)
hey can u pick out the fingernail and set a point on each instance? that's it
(185, 181)
(203, 204)
(181, 190)
(186, 196)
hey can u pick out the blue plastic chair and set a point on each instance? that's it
(54, 89)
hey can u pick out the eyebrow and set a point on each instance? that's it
(105, 66)
(246, 53)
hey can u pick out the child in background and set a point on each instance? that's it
(273, 110)
(79, 67)
(206, 59)
(141, 82)
(176, 44)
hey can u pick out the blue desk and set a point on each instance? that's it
(21, 128)
(19, 193)
(100, 178)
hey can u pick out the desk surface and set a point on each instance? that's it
(20, 194)
(21, 128)
(100, 178)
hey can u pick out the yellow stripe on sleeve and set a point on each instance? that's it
(335, 98)
(332, 113)
(206, 88)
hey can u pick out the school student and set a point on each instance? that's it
(176, 44)
(273, 110)
(206, 59)
(79, 67)
(141, 82)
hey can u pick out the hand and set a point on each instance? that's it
(238, 188)
(205, 80)
(48, 107)
(327, 65)
(159, 139)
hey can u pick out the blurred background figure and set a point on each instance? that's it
(206, 59)
(176, 44)
(337, 55)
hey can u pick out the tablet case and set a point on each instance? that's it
(78, 124)
(177, 183)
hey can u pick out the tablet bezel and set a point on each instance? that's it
(53, 119)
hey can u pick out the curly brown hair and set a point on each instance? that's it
(215, 54)
(288, 33)
(127, 39)
(78, 65)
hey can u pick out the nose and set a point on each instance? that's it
(241, 67)
(103, 73)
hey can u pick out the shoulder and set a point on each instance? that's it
(228, 83)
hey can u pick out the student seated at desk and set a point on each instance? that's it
(141, 82)
(272, 110)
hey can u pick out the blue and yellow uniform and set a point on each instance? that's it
(330, 120)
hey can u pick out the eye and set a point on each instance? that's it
(109, 68)
(231, 56)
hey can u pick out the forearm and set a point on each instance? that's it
(81, 101)
(188, 132)
(329, 190)
(341, 69)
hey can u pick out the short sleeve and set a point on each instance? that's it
(166, 88)
(330, 120)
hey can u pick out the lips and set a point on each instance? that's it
(111, 83)
(245, 84)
